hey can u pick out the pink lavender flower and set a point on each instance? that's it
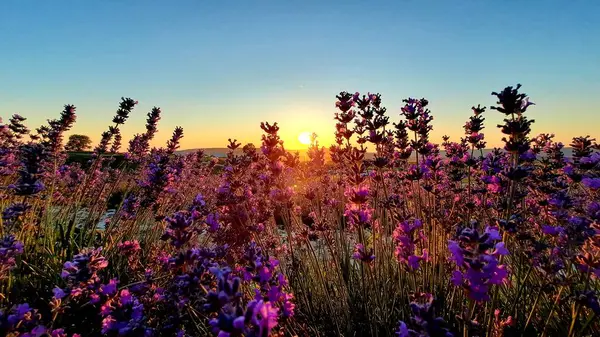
(129, 249)
(265, 317)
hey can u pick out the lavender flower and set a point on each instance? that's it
(592, 183)
(103, 144)
(29, 182)
(173, 143)
(179, 228)
(476, 257)
(129, 207)
(125, 107)
(10, 248)
(81, 274)
(116, 145)
(407, 236)
(158, 176)
(361, 254)
(590, 299)
(19, 130)
(514, 104)
(423, 321)
(52, 139)
(13, 214)
(138, 146)
(124, 316)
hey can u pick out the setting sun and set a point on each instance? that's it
(304, 138)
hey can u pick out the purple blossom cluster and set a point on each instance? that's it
(10, 248)
(407, 237)
(477, 261)
(423, 321)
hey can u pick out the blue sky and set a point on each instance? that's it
(219, 68)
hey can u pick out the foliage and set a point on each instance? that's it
(78, 143)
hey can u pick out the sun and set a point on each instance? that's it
(304, 138)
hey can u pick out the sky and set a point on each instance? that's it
(219, 68)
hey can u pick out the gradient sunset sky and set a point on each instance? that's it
(219, 68)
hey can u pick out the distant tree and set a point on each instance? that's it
(78, 143)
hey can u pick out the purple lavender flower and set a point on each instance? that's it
(180, 229)
(212, 220)
(109, 289)
(552, 230)
(593, 183)
(423, 321)
(361, 254)
(59, 293)
(8, 161)
(407, 236)
(265, 317)
(81, 274)
(476, 257)
(10, 248)
(152, 121)
(590, 300)
(129, 208)
(29, 183)
(138, 146)
(227, 292)
(20, 313)
(124, 316)
(84, 265)
(258, 319)
(593, 210)
(159, 175)
(513, 105)
(13, 214)
(359, 215)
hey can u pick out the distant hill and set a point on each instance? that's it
(216, 152)
(222, 152)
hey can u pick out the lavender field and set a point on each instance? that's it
(414, 239)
